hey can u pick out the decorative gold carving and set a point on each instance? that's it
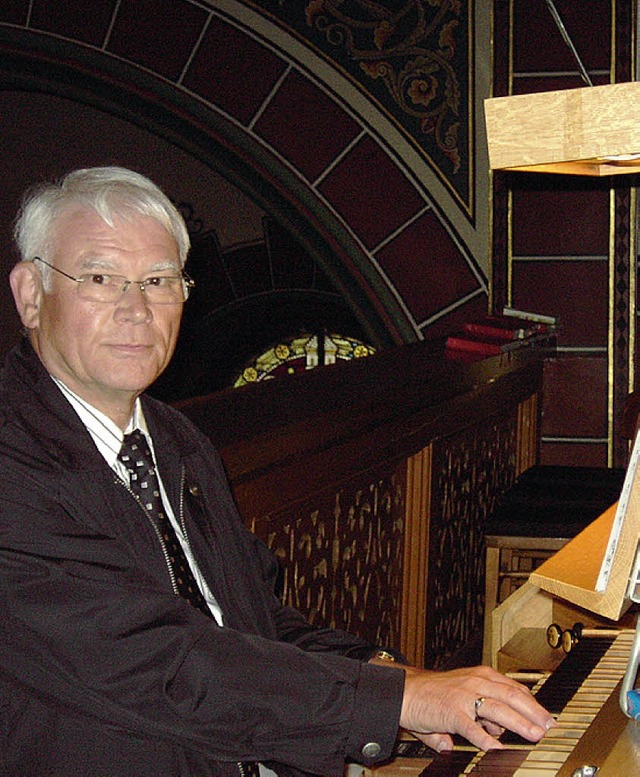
(397, 557)
(470, 470)
(342, 559)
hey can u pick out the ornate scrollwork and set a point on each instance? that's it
(410, 49)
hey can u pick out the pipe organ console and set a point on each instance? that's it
(570, 633)
(577, 679)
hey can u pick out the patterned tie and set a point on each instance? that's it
(137, 458)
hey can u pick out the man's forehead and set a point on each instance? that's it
(114, 219)
(76, 225)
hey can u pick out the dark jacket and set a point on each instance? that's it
(104, 672)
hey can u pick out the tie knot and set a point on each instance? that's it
(135, 453)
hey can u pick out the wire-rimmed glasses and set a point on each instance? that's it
(106, 287)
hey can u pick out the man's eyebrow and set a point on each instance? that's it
(109, 265)
(166, 265)
(96, 262)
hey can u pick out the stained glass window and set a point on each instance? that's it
(302, 353)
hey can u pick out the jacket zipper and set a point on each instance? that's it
(165, 553)
(183, 526)
(181, 518)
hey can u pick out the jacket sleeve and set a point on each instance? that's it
(86, 624)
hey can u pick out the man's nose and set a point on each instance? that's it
(133, 304)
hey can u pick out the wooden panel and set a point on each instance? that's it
(382, 189)
(407, 264)
(144, 32)
(559, 216)
(306, 126)
(15, 11)
(574, 454)
(227, 64)
(560, 288)
(471, 470)
(564, 130)
(71, 20)
(528, 433)
(575, 401)
(538, 44)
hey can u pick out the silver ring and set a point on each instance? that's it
(477, 704)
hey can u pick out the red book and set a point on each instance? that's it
(467, 341)
(504, 328)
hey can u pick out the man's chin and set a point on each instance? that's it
(129, 385)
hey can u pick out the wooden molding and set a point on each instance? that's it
(413, 624)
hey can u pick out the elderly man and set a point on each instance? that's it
(141, 636)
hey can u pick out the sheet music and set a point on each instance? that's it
(614, 537)
(633, 592)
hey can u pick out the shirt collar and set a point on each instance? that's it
(105, 433)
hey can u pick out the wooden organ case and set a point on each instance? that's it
(372, 481)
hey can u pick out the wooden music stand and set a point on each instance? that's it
(597, 569)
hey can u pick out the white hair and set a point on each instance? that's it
(112, 192)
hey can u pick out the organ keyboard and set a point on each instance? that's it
(581, 689)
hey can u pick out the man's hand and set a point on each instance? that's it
(476, 703)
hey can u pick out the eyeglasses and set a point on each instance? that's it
(104, 287)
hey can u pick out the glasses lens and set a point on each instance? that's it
(165, 289)
(101, 288)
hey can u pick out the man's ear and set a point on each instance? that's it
(26, 286)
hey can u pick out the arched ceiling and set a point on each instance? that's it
(229, 86)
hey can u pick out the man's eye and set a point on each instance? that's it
(162, 281)
(100, 280)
